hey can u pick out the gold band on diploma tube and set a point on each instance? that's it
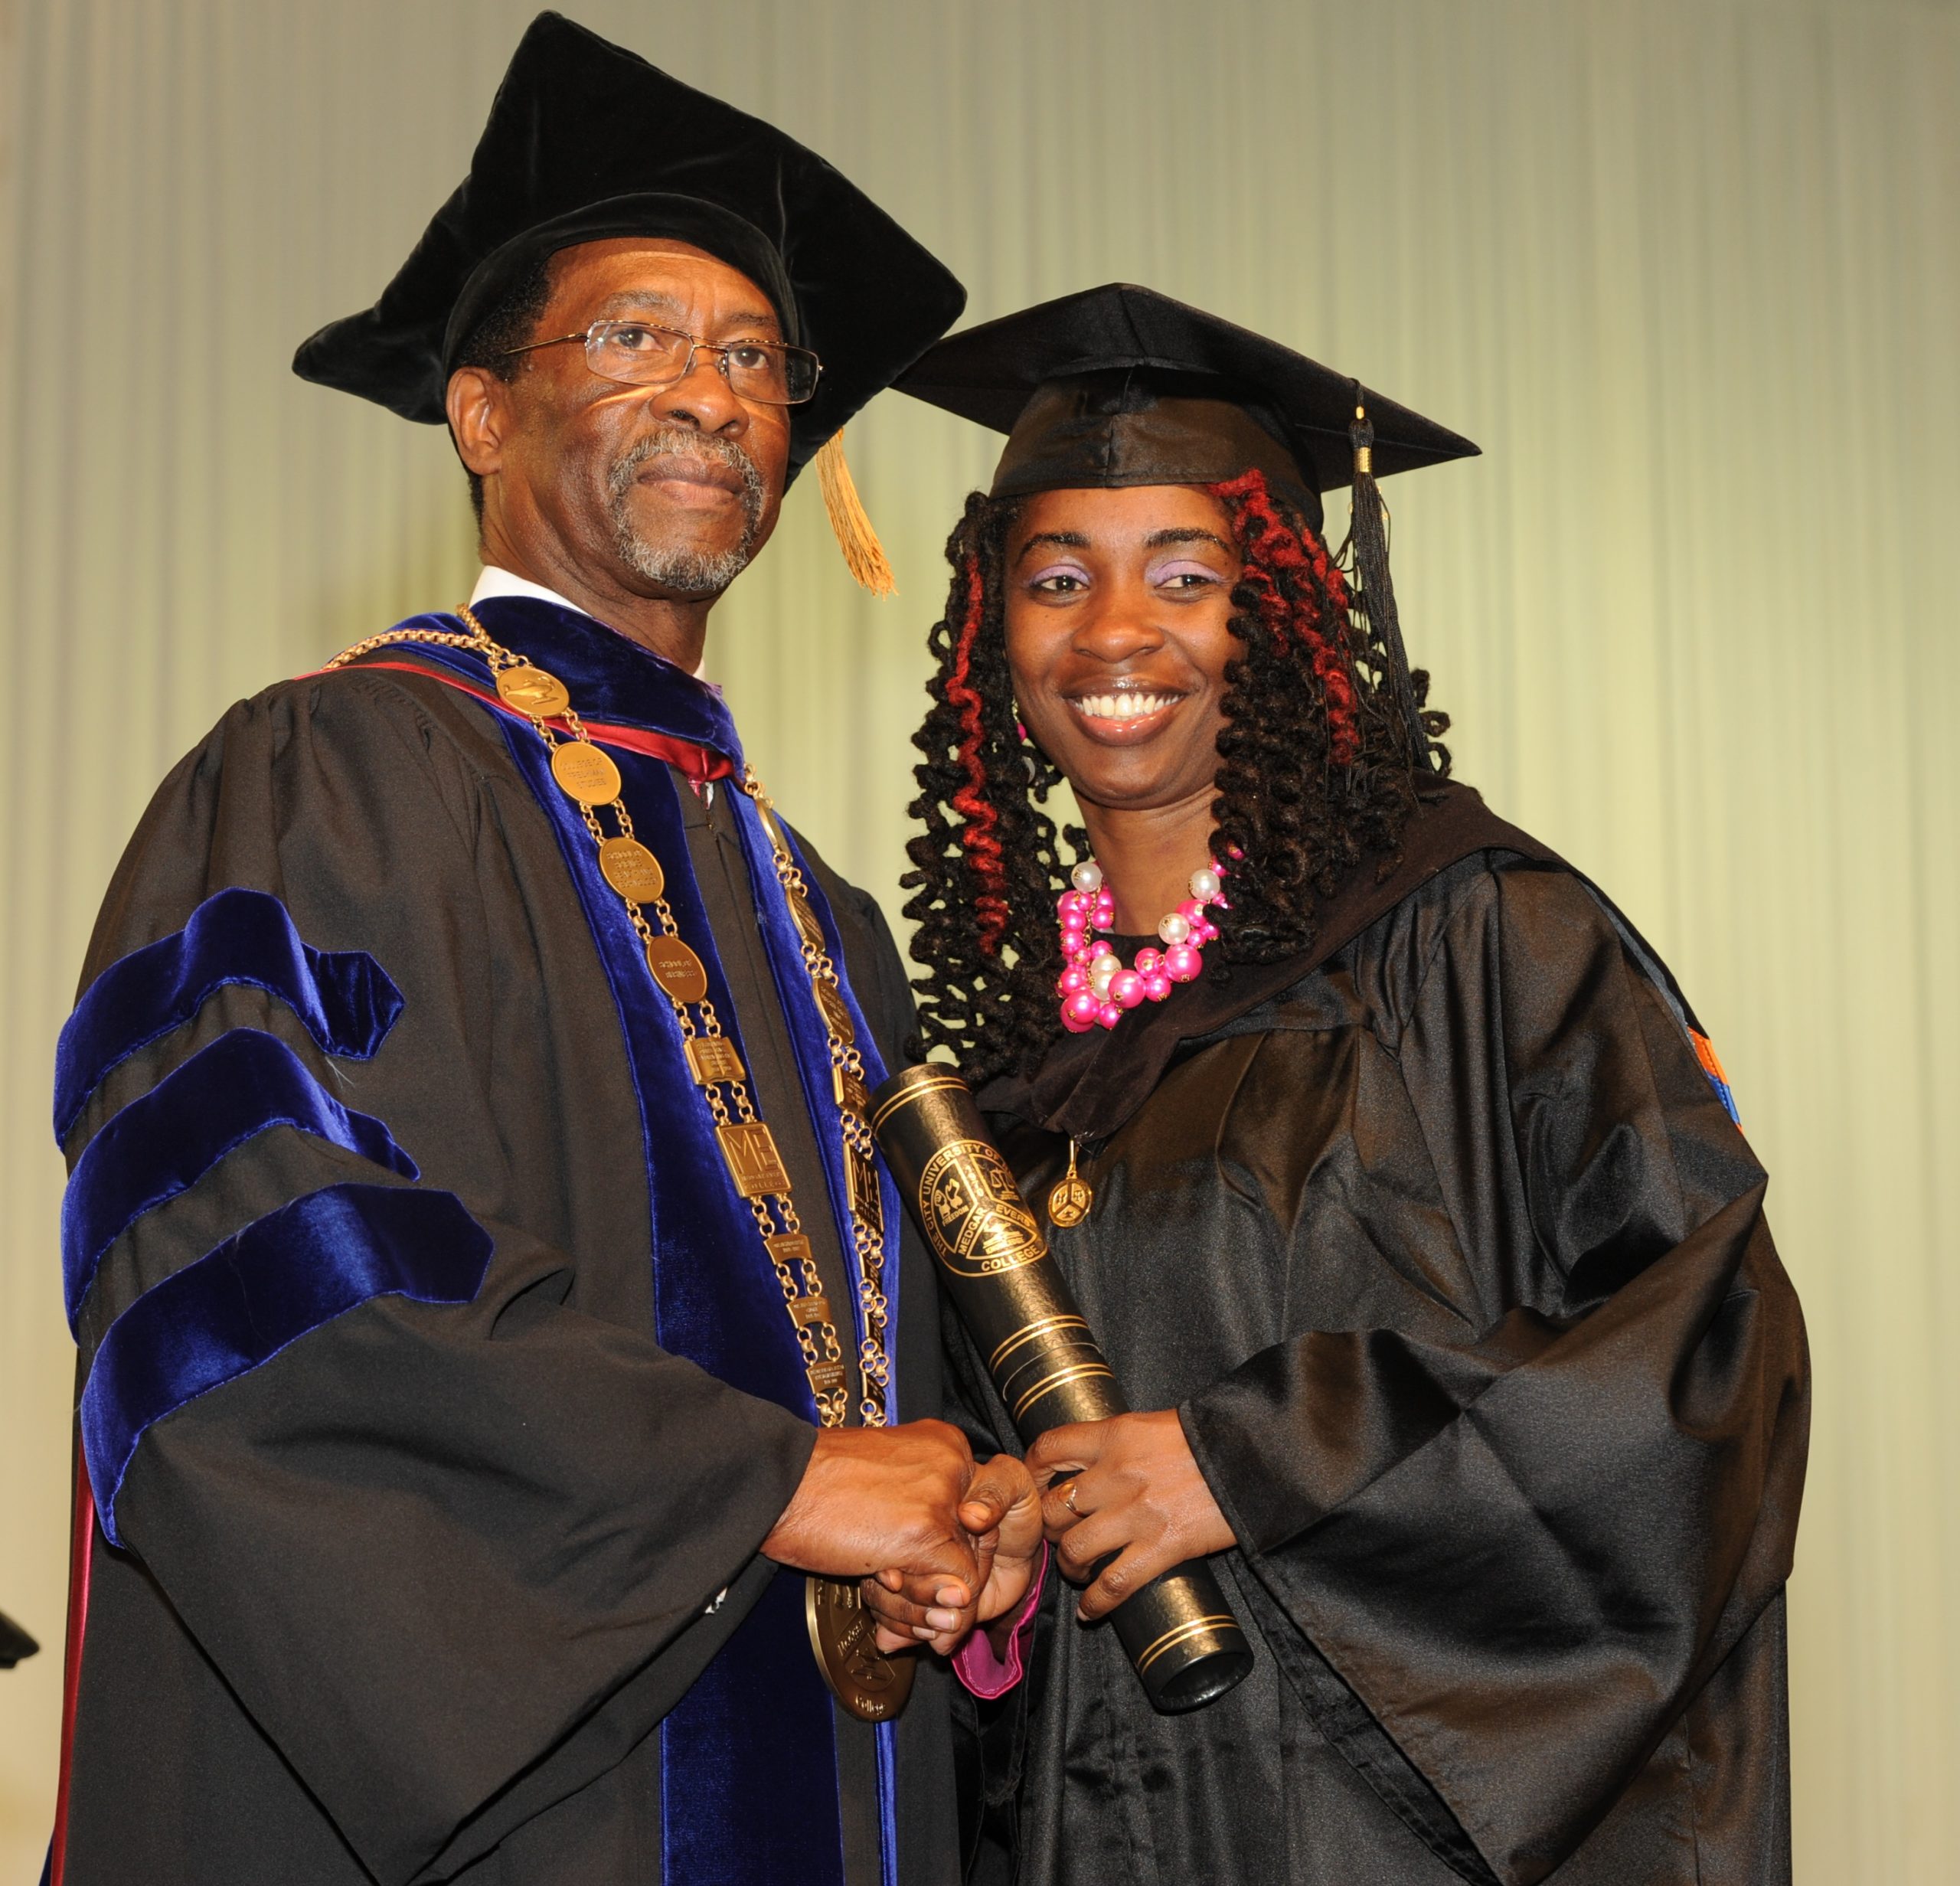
(1183, 1633)
(1053, 1384)
(1030, 1332)
(1043, 1358)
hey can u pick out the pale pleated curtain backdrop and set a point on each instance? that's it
(1686, 268)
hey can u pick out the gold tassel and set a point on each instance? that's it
(862, 551)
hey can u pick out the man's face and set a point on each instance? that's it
(667, 490)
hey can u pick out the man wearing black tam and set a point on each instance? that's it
(1391, 1168)
(486, 1288)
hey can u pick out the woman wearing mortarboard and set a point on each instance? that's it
(1414, 1204)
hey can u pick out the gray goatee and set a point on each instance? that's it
(688, 572)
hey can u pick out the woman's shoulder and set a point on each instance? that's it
(1474, 893)
(1500, 901)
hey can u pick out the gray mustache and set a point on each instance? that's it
(701, 447)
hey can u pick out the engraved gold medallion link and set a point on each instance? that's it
(871, 1685)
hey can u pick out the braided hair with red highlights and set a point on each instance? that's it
(978, 836)
(1315, 774)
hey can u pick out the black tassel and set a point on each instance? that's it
(1367, 533)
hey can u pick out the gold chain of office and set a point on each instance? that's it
(586, 774)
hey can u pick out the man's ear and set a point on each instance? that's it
(478, 404)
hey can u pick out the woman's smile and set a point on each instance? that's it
(1124, 715)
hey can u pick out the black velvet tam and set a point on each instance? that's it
(586, 141)
(1120, 386)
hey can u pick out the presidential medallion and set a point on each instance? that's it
(872, 1684)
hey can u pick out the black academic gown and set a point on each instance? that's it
(406, 1599)
(1455, 1267)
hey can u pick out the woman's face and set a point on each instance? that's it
(1118, 612)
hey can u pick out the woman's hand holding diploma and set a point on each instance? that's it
(1127, 1491)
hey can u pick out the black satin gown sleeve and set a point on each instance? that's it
(444, 1558)
(1525, 1549)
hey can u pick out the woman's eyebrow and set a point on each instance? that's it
(1066, 540)
(1157, 540)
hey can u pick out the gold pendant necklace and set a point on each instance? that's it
(1068, 1202)
(843, 1635)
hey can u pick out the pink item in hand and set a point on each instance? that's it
(986, 1675)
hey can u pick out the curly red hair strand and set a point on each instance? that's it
(979, 837)
(1269, 546)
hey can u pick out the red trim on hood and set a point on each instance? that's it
(696, 762)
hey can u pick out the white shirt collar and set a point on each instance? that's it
(493, 581)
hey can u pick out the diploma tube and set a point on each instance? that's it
(1178, 1631)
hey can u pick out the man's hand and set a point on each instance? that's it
(1001, 1514)
(1129, 1492)
(874, 1497)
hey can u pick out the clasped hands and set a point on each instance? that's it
(942, 1543)
(908, 1510)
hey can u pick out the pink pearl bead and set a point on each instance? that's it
(1075, 1026)
(1148, 961)
(1075, 979)
(1083, 1006)
(1205, 930)
(1126, 989)
(1109, 1015)
(1071, 903)
(1182, 963)
(1073, 938)
(1192, 911)
(1157, 985)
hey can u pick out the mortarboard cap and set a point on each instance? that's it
(1121, 385)
(585, 141)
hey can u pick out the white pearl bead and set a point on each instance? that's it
(1102, 976)
(1175, 929)
(1204, 884)
(1087, 876)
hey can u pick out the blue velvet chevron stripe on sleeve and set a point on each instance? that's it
(281, 1277)
(244, 1084)
(344, 998)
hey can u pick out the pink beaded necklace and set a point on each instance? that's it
(1095, 988)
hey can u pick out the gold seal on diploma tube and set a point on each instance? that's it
(1179, 1631)
(971, 1213)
